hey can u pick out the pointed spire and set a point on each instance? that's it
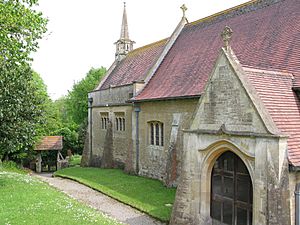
(124, 28)
(124, 44)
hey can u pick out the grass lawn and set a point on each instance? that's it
(27, 200)
(75, 160)
(145, 194)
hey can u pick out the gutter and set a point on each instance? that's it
(164, 98)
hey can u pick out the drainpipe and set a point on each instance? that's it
(137, 110)
(297, 207)
(90, 105)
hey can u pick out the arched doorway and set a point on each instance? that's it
(231, 191)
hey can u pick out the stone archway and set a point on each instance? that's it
(231, 191)
(207, 159)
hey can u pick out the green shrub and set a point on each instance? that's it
(11, 166)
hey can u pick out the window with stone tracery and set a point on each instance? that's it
(156, 133)
(104, 120)
(120, 121)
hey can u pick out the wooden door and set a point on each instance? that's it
(231, 191)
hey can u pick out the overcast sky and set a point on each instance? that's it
(81, 33)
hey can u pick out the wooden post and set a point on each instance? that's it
(38, 164)
(58, 165)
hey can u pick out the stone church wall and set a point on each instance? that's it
(163, 162)
(115, 95)
(270, 181)
(109, 104)
(227, 119)
(122, 140)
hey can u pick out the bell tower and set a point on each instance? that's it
(124, 44)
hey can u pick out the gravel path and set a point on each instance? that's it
(99, 201)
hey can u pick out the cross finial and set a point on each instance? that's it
(124, 4)
(226, 36)
(183, 8)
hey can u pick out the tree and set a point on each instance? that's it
(21, 106)
(77, 99)
(77, 103)
(20, 29)
(21, 110)
(73, 110)
(50, 115)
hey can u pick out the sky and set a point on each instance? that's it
(81, 34)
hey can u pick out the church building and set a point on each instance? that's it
(213, 109)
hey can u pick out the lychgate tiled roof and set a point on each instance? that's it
(135, 66)
(275, 90)
(50, 143)
(266, 34)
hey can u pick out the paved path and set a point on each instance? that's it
(99, 201)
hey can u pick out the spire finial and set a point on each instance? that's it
(183, 8)
(124, 27)
(124, 44)
(226, 36)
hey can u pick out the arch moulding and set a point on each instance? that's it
(209, 156)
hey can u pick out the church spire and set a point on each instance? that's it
(124, 44)
(124, 27)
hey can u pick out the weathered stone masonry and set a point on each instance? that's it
(175, 109)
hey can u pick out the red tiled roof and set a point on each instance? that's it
(263, 37)
(135, 66)
(275, 90)
(50, 143)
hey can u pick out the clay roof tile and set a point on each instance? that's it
(275, 90)
(50, 143)
(266, 34)
(135, 66)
